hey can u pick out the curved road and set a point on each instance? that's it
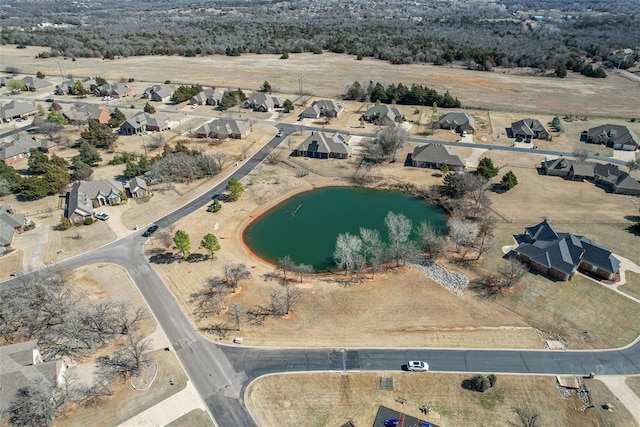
(222, 373)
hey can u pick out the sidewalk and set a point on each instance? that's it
(169, 409)
(622, 391)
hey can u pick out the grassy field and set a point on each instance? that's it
(634, 384)
(632, 287)
(327, 75)
(195, 418)
(332, 399)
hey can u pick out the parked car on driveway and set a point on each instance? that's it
(280, 134)
(418, 366)
(101, 216)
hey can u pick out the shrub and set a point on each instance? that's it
(65, 223)
(88, 221)
(215, 206)
(492, 380)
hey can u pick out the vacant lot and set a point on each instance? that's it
(332, 399)
(328, 74)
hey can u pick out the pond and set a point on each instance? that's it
(306, 226)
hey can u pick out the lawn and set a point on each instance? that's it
(197, 417)
(333, 398)
(632, 287)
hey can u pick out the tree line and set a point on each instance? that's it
(477, 35)
(400, 94)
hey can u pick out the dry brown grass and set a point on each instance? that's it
(632, 286)
(332, 399)
(11, 263)
(197, 417)
(634, 384)
(127, 402)
(327, 75)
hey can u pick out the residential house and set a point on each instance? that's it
(322, 108)
(137, 188)
(19, 148)
(612, 178)
(528, 129)
(260, 101)
(560, 255)
(436, 156)
(208, 97)
(459, 122)
(143, 122)
(119, 92)
(616, 136)
(5, 80)
(159, 93)
(98, 113)
(383, 115)
(85, 195)
(224, 128)
(320, 145)
(570, 169)
(22, 365)
(17, 109)
(10, 223)
(76, 117)
(66, 87)
(34, 83)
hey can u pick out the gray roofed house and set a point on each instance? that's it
(207, 96)
(5, 80)
(528, 129)
(616, 136)
(324, 108)
(560, 255)
(19, 148)
(616, 180)
(34, 83)
(383, 115)
(138, 188)
(458, 121)
(76, 116)
(21, 365)
(224, 128)
(320, 145)
(159, 93)
(16, 109)
(260, 101)
(143, 122)
(436, 156)
(10, 223)
(84, 195)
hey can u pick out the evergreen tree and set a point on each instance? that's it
(509, 180)
(486, 168)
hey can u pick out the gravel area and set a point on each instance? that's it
(452, 280)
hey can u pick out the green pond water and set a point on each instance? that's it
(306, 226)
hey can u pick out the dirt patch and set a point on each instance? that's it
(333, 398)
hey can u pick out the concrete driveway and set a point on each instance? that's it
(115, 219)
(32, 243)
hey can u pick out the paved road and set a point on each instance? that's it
(222, 373)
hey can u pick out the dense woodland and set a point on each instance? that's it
(544, 34)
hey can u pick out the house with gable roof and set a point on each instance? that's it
(528, 129)
(19, 148)
(142, 122)
(137, 188)
(17, 109)
(322, 108)
(560, 255)
(320, 145)
(436, 156)
(459, 122)
(22, 364)
(159, 93)
(85, 195)
(10, 224)
(263, 102)
(224, 128)
(615, 136)
(34, 83)
(383, 115)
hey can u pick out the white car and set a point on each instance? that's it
(101, 216)
(416, 365)
(280, 134)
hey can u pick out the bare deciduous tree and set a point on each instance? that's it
(157, 140)
(211, 299)
(527, 416)
(399, 229)
(347, 249)
(285, 264)
(129, 358)
(302, 269)
(233, 273)
(462, 232)
(235, 314)
(220, 159)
